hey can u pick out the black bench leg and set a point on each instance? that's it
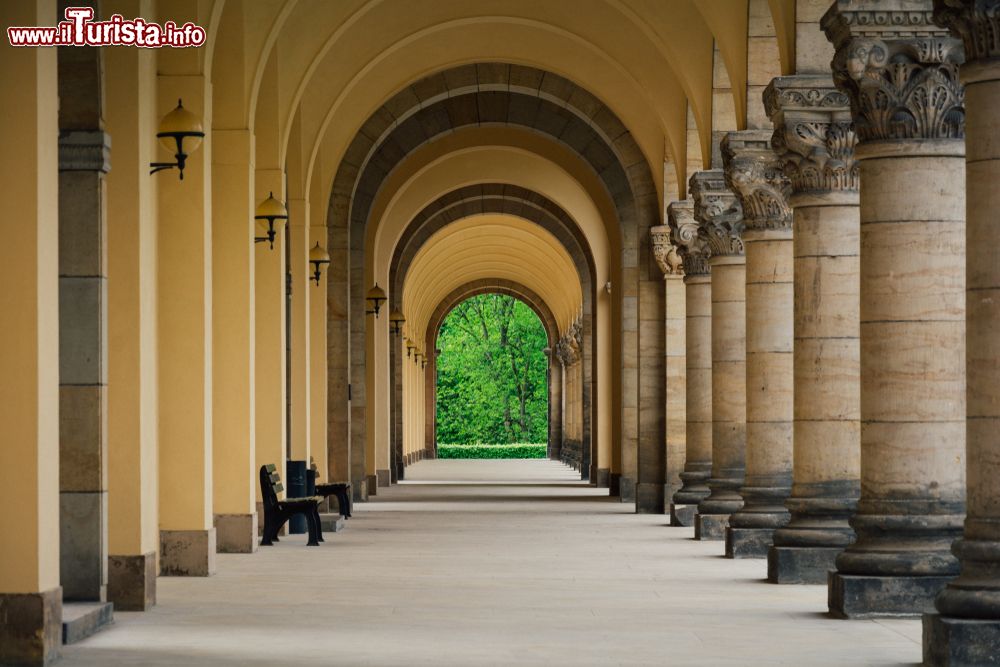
(313, 523)
(343, 499)
(266, 538)
(319, 526)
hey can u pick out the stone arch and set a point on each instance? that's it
(513, 95)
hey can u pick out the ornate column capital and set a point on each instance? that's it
(753, 171)
(813, 134)
(718, 212)
(568, 347)
(975, 22)
(898, 68)
(664, 251)
(693, 249)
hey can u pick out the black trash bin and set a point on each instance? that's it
(295, 476)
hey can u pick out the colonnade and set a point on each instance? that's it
(846, 414)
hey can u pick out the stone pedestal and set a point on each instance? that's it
(682, 515)
(626, 489)
(753, 171)
(31, 632)
(720, 220)
(187, 553)
(383, 477)
(912, 317)
(132, 582)
(965, 642)
(710, 526)
(814, 136)
(694, 254)
(236, 533)
(967, 631)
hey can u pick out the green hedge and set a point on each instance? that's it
(518, 451)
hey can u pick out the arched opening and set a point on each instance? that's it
(492, 380)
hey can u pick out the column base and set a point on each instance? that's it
(359, 487)
(865, 596)
(383, 478)
(83, 546)
(626, 489)
(710, 527)
(371, 484)
(602, 478)
(748, 542)
(960, 642)
(31, 631)
(614, 484)
(682, 515)
(801, 565)
(187, 553)
(132, 582)
(236, 533)
(649, 499)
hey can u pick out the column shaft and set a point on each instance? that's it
(676, 383)
(317, 361)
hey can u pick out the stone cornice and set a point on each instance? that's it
(898, 68)
(664, 251)
(693, 249)
(975, 22)
(718, 212)
(754, 172)
(84, 150)
(813, 133)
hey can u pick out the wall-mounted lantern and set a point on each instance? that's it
(176, 126)
(269, 211)
(375, 298)
(396, 322)
(318, 257)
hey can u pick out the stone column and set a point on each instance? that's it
(299, 269)
(694, 255)
(967, 631)
(720, 224)
(901, 74)
(669, 260)
(814, 136)
(754, 173)
(30, 595)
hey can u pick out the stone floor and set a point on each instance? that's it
(493, 563)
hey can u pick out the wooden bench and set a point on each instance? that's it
(277, 512)
(340, 490)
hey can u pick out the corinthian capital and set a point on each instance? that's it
(898, 68)
(718, 212)
(754, 173)
(664, 252)
(692, 248)
(975, 22)
(813, 133)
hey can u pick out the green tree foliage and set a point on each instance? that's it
(491, 385)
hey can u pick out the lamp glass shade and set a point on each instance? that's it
(396, 317)
(180, 123)
(318, 255)
(376, 293)
(271, 209)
